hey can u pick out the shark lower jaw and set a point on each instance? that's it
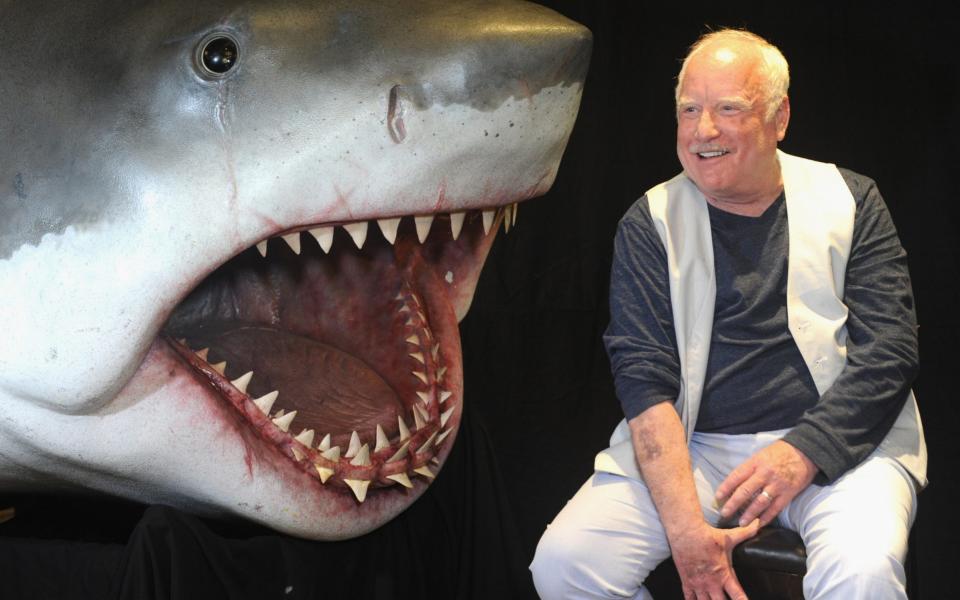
(338, 352)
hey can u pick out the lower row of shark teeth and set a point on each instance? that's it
(388, 227)
(328, 460)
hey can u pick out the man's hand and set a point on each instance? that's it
(703, 561)
(765, 483)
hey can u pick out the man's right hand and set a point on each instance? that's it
(701, 552)
(703, 560)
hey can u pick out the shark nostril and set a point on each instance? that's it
(395, 110)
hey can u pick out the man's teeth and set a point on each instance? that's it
(365, 464)
(712, 154)
(389, 227)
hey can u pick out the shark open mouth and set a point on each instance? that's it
(339, 344)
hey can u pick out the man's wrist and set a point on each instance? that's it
(688, 531)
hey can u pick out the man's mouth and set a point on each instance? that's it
(707, 154)
(339, 344)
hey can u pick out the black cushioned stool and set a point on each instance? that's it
(771, 565)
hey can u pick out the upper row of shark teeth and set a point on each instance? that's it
(389, 227)
(391, 459)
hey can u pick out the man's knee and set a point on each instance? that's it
(558, 566)
(573, 563)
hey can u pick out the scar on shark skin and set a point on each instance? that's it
(18, 186)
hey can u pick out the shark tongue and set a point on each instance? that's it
(331, 390)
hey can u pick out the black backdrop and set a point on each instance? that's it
(874, 88)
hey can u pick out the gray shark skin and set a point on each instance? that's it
(207, 267)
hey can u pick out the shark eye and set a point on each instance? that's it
(217, 55)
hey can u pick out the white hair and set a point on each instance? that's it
(774, 71)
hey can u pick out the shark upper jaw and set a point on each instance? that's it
(333, 353)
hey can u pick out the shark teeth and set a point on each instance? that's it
(423, 224)
(325, 444)
(402, 479)
(323, 235)
(359, 488)
(265, 402)
(362, 459)
(487, 221)
(358, 232)
(446, 416)
(293, 240)
(456, 224)
(283, 422)
(400, 454)
(332, 454)
(325, 473)
(390, 226)
(382, 441)
(418, 420)
(305, 437)
(427, 444)
(425, 471)
(241, 382)
(354, 446)
(443, 436)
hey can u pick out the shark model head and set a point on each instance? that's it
(236, 240)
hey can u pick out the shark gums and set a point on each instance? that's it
(236, 240)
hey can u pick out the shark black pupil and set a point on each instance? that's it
(219, 55)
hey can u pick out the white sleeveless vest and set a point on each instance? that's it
(820, 213)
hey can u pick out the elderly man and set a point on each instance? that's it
(763, 343)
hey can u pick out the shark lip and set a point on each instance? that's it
(340, 348)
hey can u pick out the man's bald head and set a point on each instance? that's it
(772, 69)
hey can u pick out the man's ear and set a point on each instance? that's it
(782, 118)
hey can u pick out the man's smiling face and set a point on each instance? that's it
(725, 141)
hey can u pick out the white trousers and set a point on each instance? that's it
(608, 537)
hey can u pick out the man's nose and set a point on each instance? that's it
(706, 127)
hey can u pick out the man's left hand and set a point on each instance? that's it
(765, 483)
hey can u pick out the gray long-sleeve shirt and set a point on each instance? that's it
(756, 378)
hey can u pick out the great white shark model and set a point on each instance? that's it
(236, 240)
